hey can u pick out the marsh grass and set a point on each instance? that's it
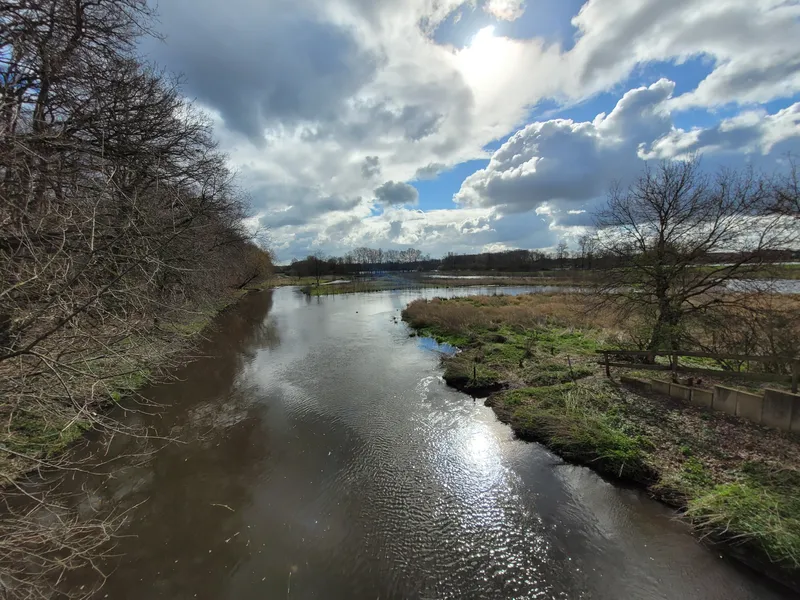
(575, 420)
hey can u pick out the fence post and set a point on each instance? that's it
(675, 368)
(608, 367)
(795, 375)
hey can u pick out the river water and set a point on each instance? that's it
(322, 456)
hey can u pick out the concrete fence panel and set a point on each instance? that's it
(703, 398)
(781, 410)
(725, 399)
(775, 408)
(662, 387)
(680, 391)
(639, 384)
(749, 406)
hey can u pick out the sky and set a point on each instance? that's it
(475, 125)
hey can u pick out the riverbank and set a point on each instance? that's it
(735, 481)
(39, 434)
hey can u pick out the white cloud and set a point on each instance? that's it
(318, 101)
(752, 132)
(556, 167)
(752, 45)
(507, 10)
(562, 162)
(439, 231)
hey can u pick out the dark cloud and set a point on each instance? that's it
(340, 229)
(371, 167)
(396, 192)
(288, 206)
(261, 64)
(373, 119)
(419, 122)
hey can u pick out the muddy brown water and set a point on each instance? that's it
(323, 457)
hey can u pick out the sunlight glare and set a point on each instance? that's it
(481, 59)
(483, 37)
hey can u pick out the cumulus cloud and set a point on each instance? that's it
(290, 206)
(568, 166)
(442, 230)
(562, 161)
(752, 132)
(507, 10)
(430, 171)
(396, 192)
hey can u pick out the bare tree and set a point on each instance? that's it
(786, 191)
(587, 244)
(119, 222)
(680, 237)
(317, 263)
(562, 252)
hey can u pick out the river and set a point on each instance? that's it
(322, 456)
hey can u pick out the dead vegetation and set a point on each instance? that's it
(526, 310)
(120, 233)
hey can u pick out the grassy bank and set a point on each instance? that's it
(732, 479)
(42, 430)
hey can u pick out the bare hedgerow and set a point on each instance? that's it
(119, 224)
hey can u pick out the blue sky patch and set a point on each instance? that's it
(438, 193)
(546, 19)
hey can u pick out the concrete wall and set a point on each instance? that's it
(724, 399)
(661, 387)
(750, 406)
(775, 408)
(780, 408)
(640, 384)
(703, 398)
(680, 391)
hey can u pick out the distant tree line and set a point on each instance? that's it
(361, 261)
(589, 254)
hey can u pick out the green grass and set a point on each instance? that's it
(566, 341)
(761, 505)
(574, 420)
(538, 356)
(33, 434)
(462, 341)
(465, 374)
(125, 384)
